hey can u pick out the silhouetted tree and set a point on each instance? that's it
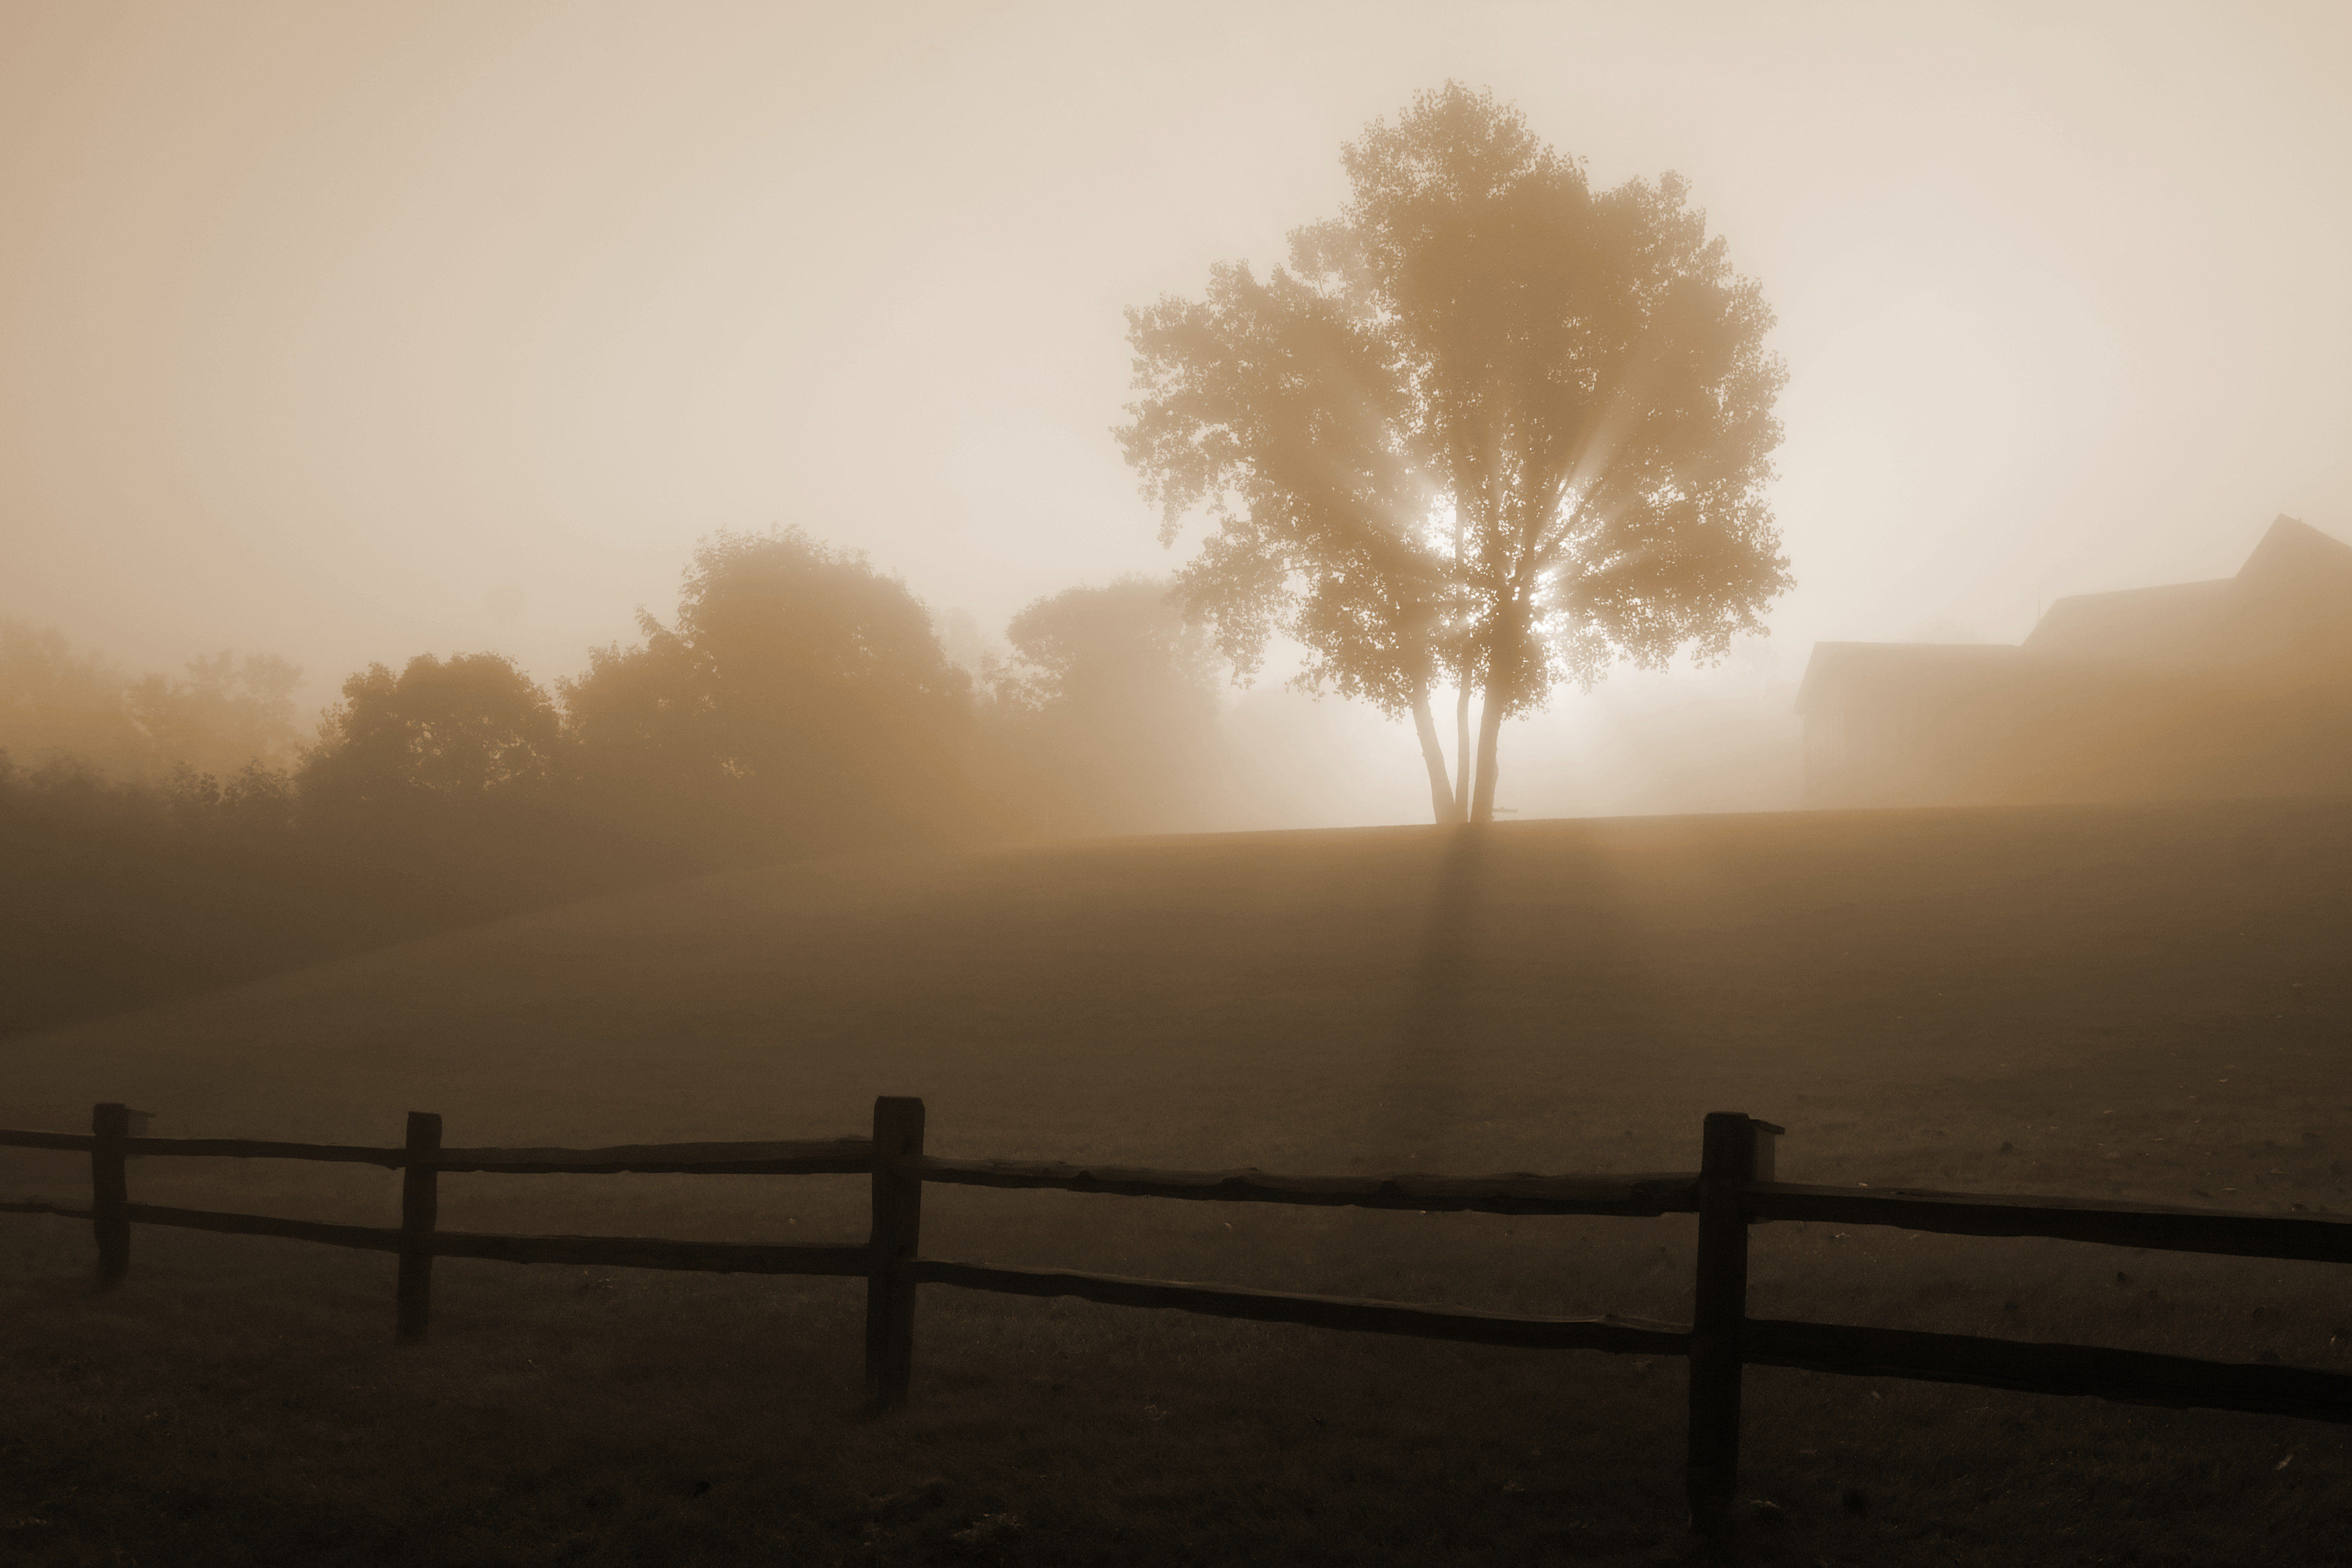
(799, 697)
(799, 701)
(1115, 695)
(256, 801)
(463, 729)
(1489, 425)
(455, 777)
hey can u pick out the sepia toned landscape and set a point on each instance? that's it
(798, 790)
(2135, 1004)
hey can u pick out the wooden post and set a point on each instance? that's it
(1718, 1308)
(109, 1190)
(898, 1226)
(420, 1210)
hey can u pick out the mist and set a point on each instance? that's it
(346, 337)
(1398, 783)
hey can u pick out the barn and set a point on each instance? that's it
(2195, 690)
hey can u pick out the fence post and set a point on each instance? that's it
(109, 1191)
(1718, 1308)
(898, 1225)
(420, 1210)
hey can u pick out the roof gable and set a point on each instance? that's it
(2292, 551)
(2296, 582)
(2291, 599)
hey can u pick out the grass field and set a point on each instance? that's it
(2104, 1002)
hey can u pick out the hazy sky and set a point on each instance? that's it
(350, 331)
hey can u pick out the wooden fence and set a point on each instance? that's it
(1733, 1190)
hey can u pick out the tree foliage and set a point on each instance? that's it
(798, 693)
(230, 710)
(1490, 428)
(468, 727)
(1112, 701)
(798, 702)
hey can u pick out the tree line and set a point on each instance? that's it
(163, 835)
(1492, 430)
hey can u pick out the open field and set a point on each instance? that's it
(2152, 1002)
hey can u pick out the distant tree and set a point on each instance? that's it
(1116, 694)
(56, 704)
(967, 647)
(230, 711)
(799, 693)
(462, 729)
(1490, 426)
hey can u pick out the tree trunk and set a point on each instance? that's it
(1490, 728)
(1442, 800)
(1461, 743)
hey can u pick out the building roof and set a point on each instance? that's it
(2226, 621)
(2294, 592)
(2134, 622)
(2294, 550)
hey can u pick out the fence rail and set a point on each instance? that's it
(836, 1157)
(1632, 1196)
(1733, 1190)
(2302, 1238)
(1621, 1336)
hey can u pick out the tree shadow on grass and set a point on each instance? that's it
(1513, 975)
(1424, 1095)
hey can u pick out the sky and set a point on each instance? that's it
(358, 331)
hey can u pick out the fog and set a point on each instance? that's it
(1102, 652)
(347, 334)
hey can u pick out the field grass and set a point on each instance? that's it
(2152, 1002)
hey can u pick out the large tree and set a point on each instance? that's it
(1490, 428)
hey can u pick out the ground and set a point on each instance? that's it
(2151, 1002)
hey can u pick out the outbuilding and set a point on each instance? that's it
(2197, 690)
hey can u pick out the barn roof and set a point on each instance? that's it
(2293, 593)
(2295, 576)
(2137, 622)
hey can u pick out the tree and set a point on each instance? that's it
(55, 704)
(798, 694)
(230, 712)
(1490, 426)
(1115, 695)
(467, 729)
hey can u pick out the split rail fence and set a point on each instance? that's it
(1733, 1190)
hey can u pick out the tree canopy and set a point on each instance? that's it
(798, 691)
(231, 710)
(798, 702)
(1490, 428)
(460, 729)
(1113, 697)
